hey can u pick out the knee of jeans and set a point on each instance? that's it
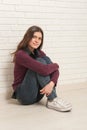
(41, 60)
(47, 59)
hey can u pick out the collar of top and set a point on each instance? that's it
(36, 52)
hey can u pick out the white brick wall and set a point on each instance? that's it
(65, 26)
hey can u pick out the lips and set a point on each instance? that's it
(35, 44)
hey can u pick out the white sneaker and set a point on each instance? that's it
(59, 104)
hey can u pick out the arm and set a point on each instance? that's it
(53, 76)
(25, 60)
(49, 87)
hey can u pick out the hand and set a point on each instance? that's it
(48, 88)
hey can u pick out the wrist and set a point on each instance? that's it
(52, 83)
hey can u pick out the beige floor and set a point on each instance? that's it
(14, 116)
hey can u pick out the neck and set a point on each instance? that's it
(31, 49)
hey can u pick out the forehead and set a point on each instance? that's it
(38, 34)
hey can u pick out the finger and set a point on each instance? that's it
(47, 94)
(42, 90)
(42, 93)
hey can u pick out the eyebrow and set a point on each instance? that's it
(36, 36)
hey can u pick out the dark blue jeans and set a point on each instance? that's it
(28, 92)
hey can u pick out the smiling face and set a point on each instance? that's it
(35, 42)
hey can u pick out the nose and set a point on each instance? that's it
(36, 40)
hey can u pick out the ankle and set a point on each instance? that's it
(50, 100)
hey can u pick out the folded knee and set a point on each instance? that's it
(41, 60)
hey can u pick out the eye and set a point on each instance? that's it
(40, 38)
(34, 36)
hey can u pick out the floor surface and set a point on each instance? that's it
(14, 116)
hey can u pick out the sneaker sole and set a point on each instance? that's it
(60, 110)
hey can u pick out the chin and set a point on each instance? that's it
(35, 47)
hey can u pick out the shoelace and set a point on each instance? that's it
(61, 102)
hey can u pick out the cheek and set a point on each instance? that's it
(40, 41)
(31, 41)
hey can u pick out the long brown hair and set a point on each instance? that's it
(27, 37)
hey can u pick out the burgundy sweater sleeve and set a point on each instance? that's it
(25, 60)
(55, 76)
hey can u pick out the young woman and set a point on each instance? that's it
(35, 75)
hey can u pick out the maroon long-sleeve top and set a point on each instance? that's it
(25, 61)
